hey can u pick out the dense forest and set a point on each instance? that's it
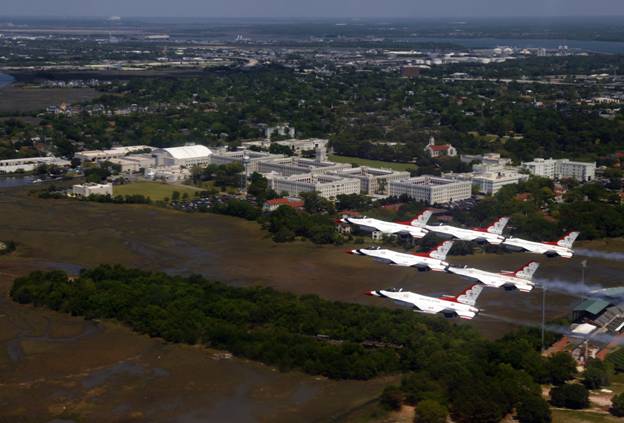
(373, 114)
(478, 380)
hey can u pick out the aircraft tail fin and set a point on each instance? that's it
(568, 239)
(422, 218)
(498, 226)
(526, 272)
(441, 250)
(470, 295)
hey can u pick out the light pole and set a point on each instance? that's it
(583, 267)
(543, 312)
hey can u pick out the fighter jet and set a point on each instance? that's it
(462, 305)
(432, 260)
(491, 234)
(562, 248)
(413, 227)
(521, 279)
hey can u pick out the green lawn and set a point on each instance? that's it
(154, 190)
(371, 163)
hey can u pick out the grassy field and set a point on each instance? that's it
(371, 163)
(155, 190)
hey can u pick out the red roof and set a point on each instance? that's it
(284, 202)
(440, 147)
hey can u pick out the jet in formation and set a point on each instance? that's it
(562, 248)
(491, 234)
(414, 228)
(521, 279)
(462, 305)
(432, 260)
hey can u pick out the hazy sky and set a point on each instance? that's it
(312, 8)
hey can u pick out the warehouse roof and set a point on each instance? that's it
(188, 151)
(592, 306)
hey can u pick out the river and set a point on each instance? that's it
(612, 47)
(5, 79)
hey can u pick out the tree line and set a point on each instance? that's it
(476, 379)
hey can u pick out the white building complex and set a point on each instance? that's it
(288, 166)
(373, 181)
(29, 164)
(187, 156)
(113, 153)
(85, 190)
(431, 189)
(562, 168)
(328, 186)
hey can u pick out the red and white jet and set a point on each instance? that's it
(462, 305)
(491, 234)
(562, 248)
(521, 279)
(432, 260)
(413, 227)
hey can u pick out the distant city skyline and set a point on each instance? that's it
(318, 8)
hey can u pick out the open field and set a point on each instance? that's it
(155, 190)
(16, 99)
(371, 163)
(58, 366)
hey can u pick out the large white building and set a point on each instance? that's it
(288, 166)
(328, 186)
(29, 164)
(431, 189)
(373, 181)
(187, 156)
(561, 168)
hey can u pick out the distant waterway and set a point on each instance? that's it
(15, 181)
(612, 47)
(5, 79)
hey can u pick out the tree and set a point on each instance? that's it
(391, 398)
(561, 367)
(570, 395)
(258, 187)
(533, 409)
(596, 375)
(429, 411)
(314, 203)
(617, 405)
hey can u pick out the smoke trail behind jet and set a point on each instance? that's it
(576, 289)
(613, 256)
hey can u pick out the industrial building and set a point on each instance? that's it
(187, 156)
(135, 163)
(561, 168)
(431, 189)
(328, 186)
(29, 164)
(373, 181)
(86, 190)
(113, 153)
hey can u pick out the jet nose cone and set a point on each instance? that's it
(372, 293)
